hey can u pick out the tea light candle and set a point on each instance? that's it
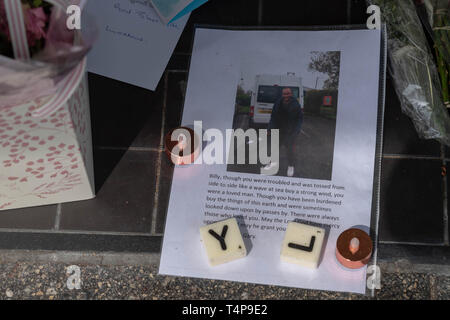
(354, 248)
(182, 146)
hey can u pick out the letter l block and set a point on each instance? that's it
(302, 244)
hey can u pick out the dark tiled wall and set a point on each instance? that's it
(133, 176)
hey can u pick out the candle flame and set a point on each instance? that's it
(354, 245)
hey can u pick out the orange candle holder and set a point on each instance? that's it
(354, 248)
(177, 149)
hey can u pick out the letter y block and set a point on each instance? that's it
(223, 241)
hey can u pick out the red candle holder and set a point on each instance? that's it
(184, 148)
(354, 248)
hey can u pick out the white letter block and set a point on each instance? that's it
(223, 241)
(302, 244)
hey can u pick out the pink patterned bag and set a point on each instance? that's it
(45, 144)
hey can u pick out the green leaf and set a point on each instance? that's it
(37, 3)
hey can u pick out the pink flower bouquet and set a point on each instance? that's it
(45, 135)
(52, 49)
(37, 17)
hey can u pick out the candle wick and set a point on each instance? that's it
(354, 245)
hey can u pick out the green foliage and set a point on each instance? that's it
(328, 63)
(36, 3)
(442, 45)
(243, 98)
(414, 71)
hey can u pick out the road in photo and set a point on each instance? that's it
(314, 148)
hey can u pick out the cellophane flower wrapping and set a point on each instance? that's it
(414, 71)
(54, 53)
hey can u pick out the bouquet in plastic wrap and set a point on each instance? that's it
(45, 129)
(440, 19)
(416, 77)
(53, 52)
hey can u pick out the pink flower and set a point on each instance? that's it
(35, 21)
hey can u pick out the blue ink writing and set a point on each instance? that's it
(125, 34)
(120, 9)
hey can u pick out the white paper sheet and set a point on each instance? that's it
(133, 45)
(216, 70)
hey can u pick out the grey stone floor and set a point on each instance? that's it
(134, 277)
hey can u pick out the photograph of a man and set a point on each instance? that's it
(297, 97)
(287, 117)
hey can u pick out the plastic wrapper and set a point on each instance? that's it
(413, 70)
(441, 34)
(62, 50)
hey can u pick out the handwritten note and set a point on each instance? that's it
(133, 45)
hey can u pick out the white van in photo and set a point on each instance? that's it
(267, 91)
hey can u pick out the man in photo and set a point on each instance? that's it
(287, 117)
